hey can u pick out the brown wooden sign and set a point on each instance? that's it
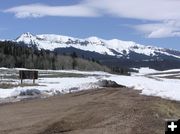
(26, 74)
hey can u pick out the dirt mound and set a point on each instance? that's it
(109, 83)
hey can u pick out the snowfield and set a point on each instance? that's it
(52, 86)
(148, 84)
(164, 88)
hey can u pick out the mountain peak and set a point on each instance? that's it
(114, 47)
(27, 38)
(27, 34)
(93, 39)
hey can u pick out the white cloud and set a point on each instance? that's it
(165, 14)
(160, 30)
(40, 10)
(140, 9)
(137, 9)
(160, 11)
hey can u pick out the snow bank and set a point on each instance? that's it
(165, 88)
(172, 70)
(147, 70)
(52, 85)
(149, 85)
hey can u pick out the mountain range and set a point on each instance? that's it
(109, 52)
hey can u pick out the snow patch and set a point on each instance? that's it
(147, 70)
(148, 84)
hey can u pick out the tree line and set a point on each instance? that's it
(14, 55)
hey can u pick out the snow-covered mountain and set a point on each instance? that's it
(113, 53)
(112, 47)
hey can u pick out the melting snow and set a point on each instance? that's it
(165, 88)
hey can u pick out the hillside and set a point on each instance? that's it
(109, 52)
(15, 55)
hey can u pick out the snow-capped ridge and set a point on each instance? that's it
(114, 47)
(54, 38)
(94, 39)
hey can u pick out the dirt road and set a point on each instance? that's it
(102, 111)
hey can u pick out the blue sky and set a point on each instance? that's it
(153, 22)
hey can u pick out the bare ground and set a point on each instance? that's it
(102, 111)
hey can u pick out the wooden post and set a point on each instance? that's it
(33, 81)
(33, 77)
(21, 77)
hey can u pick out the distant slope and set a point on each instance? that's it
(137, 60)
(110, 52)
(112, 47)
(15, 55)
